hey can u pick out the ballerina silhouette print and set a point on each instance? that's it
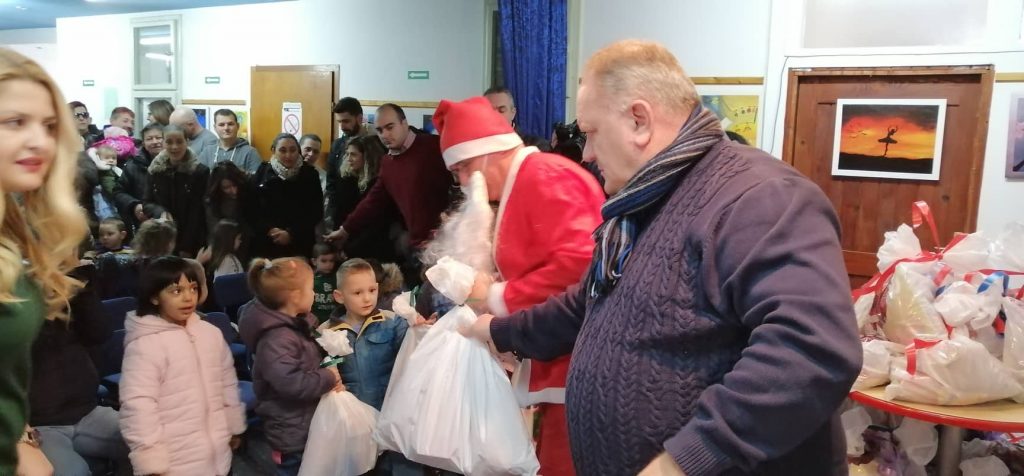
(888, 139)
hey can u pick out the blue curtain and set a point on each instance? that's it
(534, 34)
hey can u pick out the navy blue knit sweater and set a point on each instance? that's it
(730, 340)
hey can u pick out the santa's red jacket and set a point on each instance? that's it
(549, 209)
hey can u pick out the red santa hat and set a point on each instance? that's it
(472, 128)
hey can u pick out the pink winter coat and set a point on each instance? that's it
(179, 397)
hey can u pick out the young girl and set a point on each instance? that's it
(287, 378)
(224, 244)
(119, 273)
(180, 408)
(112, 233)
(229, 197)
(177, 182)
(39, 237)
(289, 201)
(325, 262)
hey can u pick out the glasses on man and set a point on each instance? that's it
(82, 115)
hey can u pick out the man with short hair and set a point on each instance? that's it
(199, 137)
(714, 332)
(547, 209)
(230, 147)
(124, 118)
(83, 121)
(348, 113)
(413, 183)
(502, 101)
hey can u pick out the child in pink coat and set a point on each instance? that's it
(180, 408)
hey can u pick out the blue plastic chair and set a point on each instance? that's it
(111, 354)
(118, 308)
(231, 291)
(238, 350)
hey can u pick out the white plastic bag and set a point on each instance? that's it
(1008, 249)
(855, 421)
(909, 312)
(1013, 340)
(970, 254)
(958, 371)
(336, 343)
(453, 407)
(862, 309)
(899, 244)
(918, 439)
(340, 441)
(875, 369)
(987, 466)
(961, 304)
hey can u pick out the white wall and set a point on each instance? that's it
(710, 38)
(375, 43)
(1000, 200)
(38, 44)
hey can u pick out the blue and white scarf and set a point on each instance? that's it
(616, 236)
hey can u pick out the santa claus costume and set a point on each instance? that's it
(549, 208)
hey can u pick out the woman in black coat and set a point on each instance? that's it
(359, 170)
(130, 189)
(177, 182)
(289, 202)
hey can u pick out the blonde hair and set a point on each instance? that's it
(631, 69)
(271, 280)
(47, 228)
(352, 266)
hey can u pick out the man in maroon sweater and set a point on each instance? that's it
(413, 182)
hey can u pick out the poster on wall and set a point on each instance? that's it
(243, 123)
(889, 138)
(291, 118)
(201, 116)
(1015, 141)
(738, 113)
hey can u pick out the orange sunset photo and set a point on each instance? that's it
(886, 138)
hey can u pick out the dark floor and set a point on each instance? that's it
(253, 458)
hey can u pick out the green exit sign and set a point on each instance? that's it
(88, 82)
(213, 80)
(419, 75)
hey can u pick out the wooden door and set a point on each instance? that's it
(315, 87)
(868, 207)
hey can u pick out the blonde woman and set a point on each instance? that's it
(359, 170)
(42, 227)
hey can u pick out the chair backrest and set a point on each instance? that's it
(111, 354)
(118, 308)
(223, 322)
(232, 291)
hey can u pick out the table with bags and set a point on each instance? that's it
(943, 334)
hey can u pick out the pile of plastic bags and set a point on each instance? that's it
(945, 327)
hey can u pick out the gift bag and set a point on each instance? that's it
(875, 369)
(340, 441)
(453, 406)
(959, 371)
(899, 244)
(1013, 341)
(910, 313)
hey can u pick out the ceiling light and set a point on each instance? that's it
(155, 40)
(158, 56)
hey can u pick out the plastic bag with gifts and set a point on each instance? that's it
(1013, 340)
(336, 343)
(970, 253)
(899, 244)
(862, 309)
(1008, 248)
(403, 308)
(340, 441)
(909, 312)
(453, 406)
(918, 439)
(986, 466)
(959, 371)
(877, 358)
(963, 303)
(855, 421)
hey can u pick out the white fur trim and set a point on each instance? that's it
(482, 146)
(513, 171)
(496, 299)
(521, 388)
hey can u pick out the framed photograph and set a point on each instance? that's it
(1015, 142)
(738, 113)
(889, 138)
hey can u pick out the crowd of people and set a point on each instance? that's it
(710, 272)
